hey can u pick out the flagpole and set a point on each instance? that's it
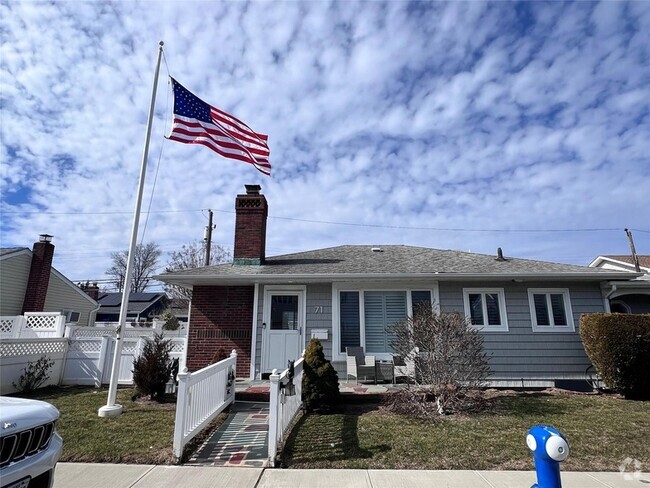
(111, 409)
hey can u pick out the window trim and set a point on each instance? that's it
(339, 287)
(503, 315)
(68, 313)
(568, 310)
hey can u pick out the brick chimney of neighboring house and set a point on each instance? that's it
(91, 290)
(39, 274)
(250, 227)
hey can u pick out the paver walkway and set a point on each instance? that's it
(242, 440)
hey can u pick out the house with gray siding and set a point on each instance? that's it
(268, 308)
(627, 296)
(29, 283)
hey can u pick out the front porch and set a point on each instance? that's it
(258, 390)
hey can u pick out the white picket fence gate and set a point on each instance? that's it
(282, 407)
(200, 397)
(83, 357)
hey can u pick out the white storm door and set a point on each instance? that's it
(284, 325)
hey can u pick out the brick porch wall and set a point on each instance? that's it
(221, 319)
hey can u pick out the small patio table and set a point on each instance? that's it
(384, 371)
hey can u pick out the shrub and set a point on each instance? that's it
(619, 348)
(449, 362)
(170, 321)
(320, 382)
(153, 368)
(34, 375)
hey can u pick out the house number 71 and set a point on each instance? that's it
(318, 309)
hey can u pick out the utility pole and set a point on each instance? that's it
(635, 258)
(208, 238)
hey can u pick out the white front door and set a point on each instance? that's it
(284, 325)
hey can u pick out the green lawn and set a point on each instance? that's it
(142, 434)
(602, 431)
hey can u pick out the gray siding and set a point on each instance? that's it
(318, 295)
(319, 313)
(14, 272)
(521, 353)
(517, 354)
(61, 295)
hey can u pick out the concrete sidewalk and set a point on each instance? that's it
(79, 475)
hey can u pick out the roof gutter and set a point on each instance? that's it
(275, 278)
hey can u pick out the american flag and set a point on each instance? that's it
(196, 122)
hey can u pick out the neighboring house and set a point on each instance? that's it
(267, 308)
(29, 283)
(143, 307)
(629, 296)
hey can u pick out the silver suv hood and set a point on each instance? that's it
(17, 414)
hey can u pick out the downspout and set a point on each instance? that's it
(606, 298)
(92, 316)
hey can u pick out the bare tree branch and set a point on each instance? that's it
(450, 364)
(192, 256)
(145, 262)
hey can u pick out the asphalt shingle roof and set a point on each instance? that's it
(138, 302)
(9, 250)
(644, 259)
(346, 260)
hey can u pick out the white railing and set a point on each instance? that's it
(200, 397)
(32, 324)
(283, 408)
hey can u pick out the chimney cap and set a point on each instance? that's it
(253, 189)
(45, 238)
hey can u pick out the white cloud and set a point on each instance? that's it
(447, 115)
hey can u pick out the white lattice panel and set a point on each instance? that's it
(178, 346)
(86, 346)
(92, 332)
(129, 347)
(6, 325)
(28, 348)
(42, 322)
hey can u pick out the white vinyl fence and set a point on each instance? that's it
(83, 357)
(16, 354)
(200, 397)
(31, 325)
(283, 408)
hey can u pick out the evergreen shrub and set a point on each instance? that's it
(320, 382)
(153, 368)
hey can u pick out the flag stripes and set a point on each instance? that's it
(196, 122)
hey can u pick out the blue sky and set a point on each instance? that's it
(463, 125)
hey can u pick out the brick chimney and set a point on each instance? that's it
(39, 274)
(250, 227)
(91, 290)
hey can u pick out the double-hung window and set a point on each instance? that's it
(550, 310)
(486, 308)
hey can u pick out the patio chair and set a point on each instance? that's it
(359, 365)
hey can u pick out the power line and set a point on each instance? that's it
(352, 224)
(114, 212)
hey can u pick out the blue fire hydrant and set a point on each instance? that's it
(549, 448)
